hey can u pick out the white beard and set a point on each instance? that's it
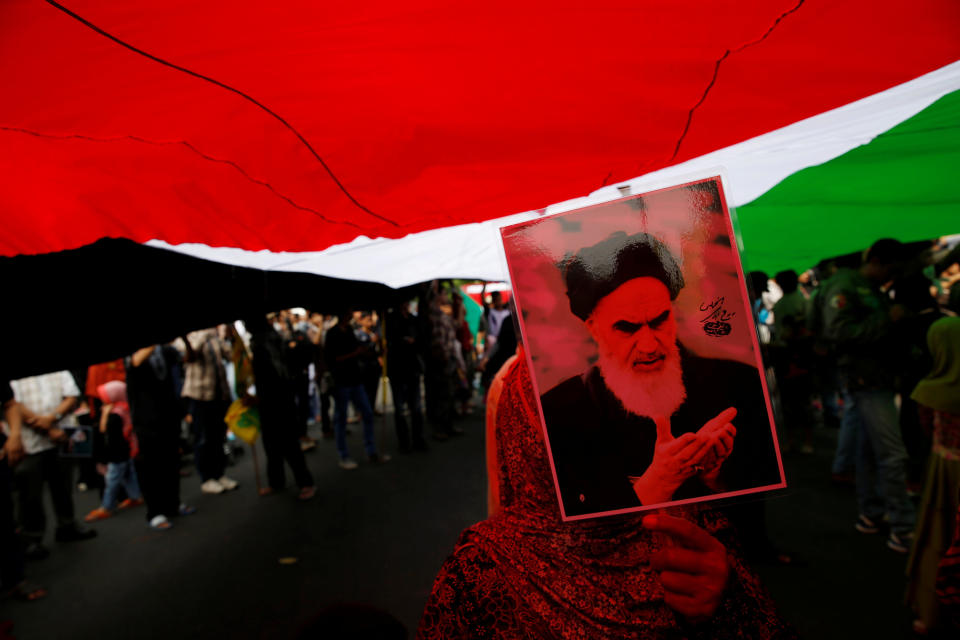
(652, 394)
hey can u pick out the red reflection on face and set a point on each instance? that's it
(635, 325)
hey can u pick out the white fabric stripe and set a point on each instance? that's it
(750, 168)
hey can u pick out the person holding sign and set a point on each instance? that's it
(525, 573)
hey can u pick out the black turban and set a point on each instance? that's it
(595, 272)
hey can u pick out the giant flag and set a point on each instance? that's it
(386, 142)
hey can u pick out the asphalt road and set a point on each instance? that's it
(378, 534)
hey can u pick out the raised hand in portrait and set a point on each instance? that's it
(719, 434)
(674, 461)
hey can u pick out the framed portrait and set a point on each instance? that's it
(640, 337)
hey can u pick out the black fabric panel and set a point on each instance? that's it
(75, 308)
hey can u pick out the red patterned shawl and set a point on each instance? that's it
(524, 573)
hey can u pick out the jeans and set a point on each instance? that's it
(882, 461)
(120, 474)
(844, 461)
(358, 397)
(314, 400)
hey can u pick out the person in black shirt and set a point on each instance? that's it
(156, 411)
(276, 399)
(344, 352)
(405, 368)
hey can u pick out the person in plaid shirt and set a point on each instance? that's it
(47, 402)
(205, 384)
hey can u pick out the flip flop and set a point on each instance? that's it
(25, 592)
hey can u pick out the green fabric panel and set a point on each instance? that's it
(474, 311)
(902, 185)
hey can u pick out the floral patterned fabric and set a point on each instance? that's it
(524, 573)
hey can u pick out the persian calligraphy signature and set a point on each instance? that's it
(717, 321)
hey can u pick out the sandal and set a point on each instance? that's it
(130, 502)
(25, 592)
(98, 514)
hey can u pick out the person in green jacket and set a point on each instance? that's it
(857, 321)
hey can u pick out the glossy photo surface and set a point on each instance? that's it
(643, 350)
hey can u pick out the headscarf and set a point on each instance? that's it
(940, 390)
(580, 579)
(114, 393)
(98, 374)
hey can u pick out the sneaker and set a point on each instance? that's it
(186, 510)
(97, 514)
(380, 458)
(348, 464)
(900, 542)
(211, 486)
(307, 444)
(128, 503)
(866, 525)
(160, 523)
(228, 484)
(74, 534)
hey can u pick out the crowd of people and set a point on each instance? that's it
(868, 345)
(140, 421)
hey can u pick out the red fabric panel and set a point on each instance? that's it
(429, 113)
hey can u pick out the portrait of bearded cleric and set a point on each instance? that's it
(643, 352)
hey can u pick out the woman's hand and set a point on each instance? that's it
(693, 567)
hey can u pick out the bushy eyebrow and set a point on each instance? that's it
(632, 327)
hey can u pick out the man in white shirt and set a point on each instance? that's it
(47, 402)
